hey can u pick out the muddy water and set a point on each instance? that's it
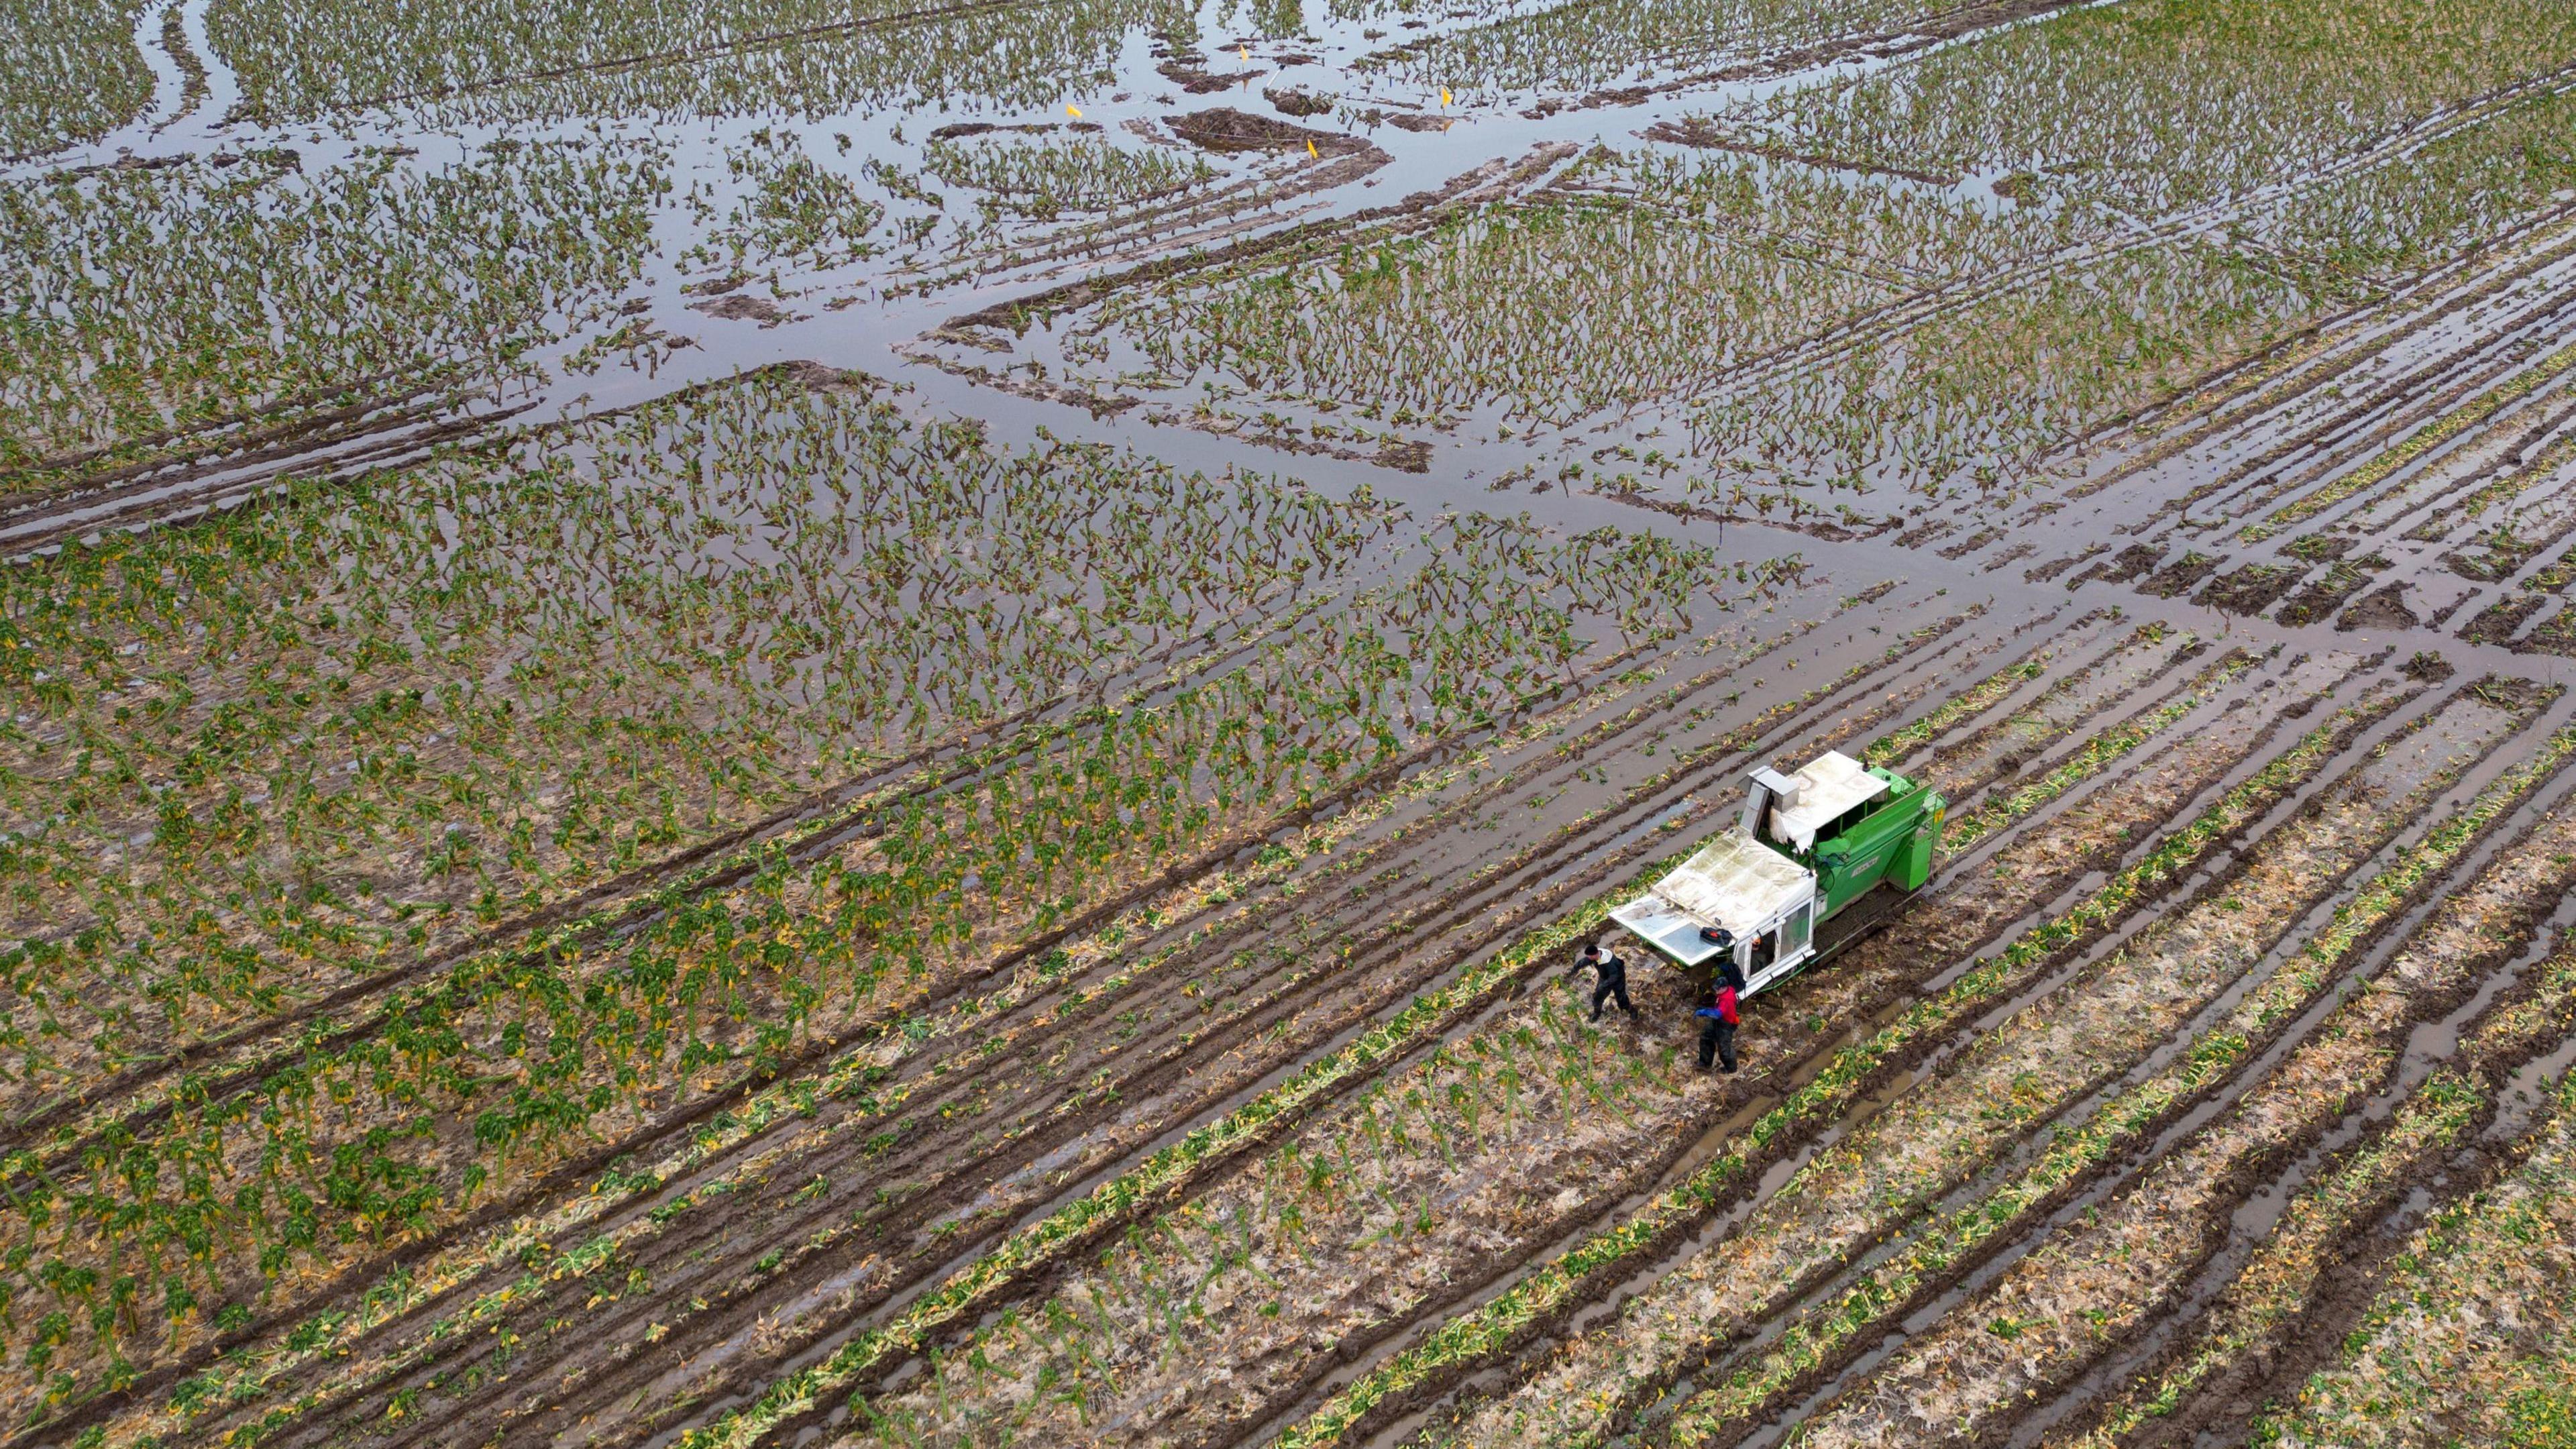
(1131, 83)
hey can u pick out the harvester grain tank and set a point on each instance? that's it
(1788, 882)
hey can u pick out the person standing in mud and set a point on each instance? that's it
(1610, 979)
(1717, 1028)
(1717, 1013)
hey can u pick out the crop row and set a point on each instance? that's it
(2007, 332)
(2476, 930)
(2471, 1331)
(2390, 361)
(157, 303)
(69, 72)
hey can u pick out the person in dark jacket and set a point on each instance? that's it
(1610, 980)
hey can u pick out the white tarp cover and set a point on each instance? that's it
(1737, 882)
(1833, 784)
(1733, 881)
(1675, 934)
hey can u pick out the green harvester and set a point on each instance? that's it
(1798, 875)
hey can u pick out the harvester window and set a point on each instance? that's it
(1794, 931)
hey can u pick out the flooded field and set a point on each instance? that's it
(842, 723)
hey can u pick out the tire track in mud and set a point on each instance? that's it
(1491, 181)
(451, 1290)
(1197, 221)
(2031, 947)
(2284, 1300)
(217, 474)
(2452, 1325)
(239, 463)
(1902, 42)
(2278, 1297)
(2476, 449)
(1785, 1354)
(1982, 1367)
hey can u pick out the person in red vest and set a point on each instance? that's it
(1717, 1014)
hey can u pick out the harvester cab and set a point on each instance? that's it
(1781, 884)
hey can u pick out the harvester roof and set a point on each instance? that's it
(1733, 881)
(1736, 882)
(1825, 791)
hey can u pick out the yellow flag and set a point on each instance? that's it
(1310, 148)
(1244, 50)
(1444, 95)
(1074, 111)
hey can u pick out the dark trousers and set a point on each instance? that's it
(1716, 1040)
(1616, 986)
